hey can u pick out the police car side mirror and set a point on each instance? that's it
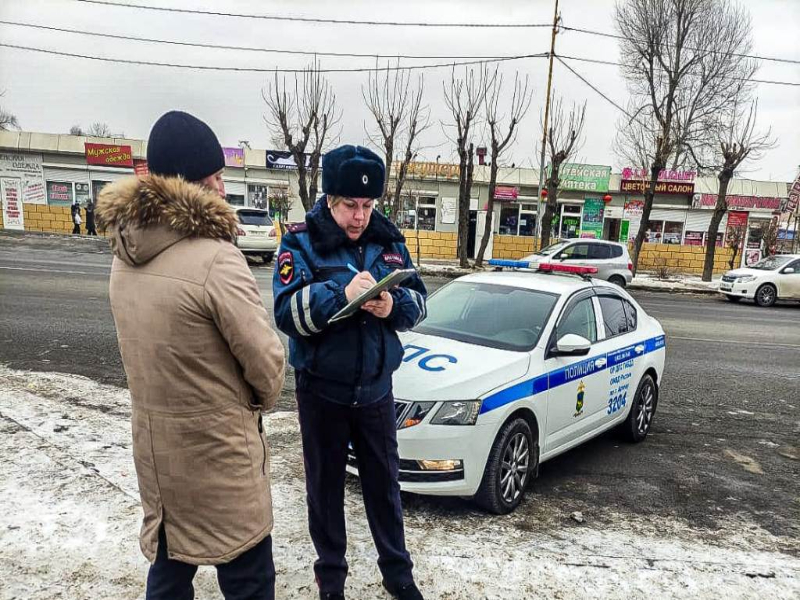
(788, 270)
(572, 345)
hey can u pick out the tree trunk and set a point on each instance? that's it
(650, 192)
(551, 204)
(463, 208)
(713, 228)
(487, 229)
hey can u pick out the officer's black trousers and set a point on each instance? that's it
(326, 429)
(249, 576)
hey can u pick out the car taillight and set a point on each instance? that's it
(630, 266)
(272, 233)
(240, 232)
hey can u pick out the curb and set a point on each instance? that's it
(65, 242)
(672, 290)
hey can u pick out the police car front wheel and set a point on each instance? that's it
(512, 462)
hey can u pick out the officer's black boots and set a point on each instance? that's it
(407, 592)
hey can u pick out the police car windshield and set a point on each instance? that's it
(496, 316)
(552, 249)
(772, 263)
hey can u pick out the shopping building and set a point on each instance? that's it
(42, 175)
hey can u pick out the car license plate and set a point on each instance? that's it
(259, 232)
(726, 287)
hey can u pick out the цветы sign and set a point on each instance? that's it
(108, 155)
(662, 187)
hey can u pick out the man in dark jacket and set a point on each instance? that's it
(344, 370)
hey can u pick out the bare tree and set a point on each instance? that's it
(100, 130)
(463, 98)
(769, 238)
(501, 137)
(399, 118)
(684, 62)
(734, 241)
(564, 138)
(281, 203)
(735, 140)
(305, 117)
(7, 119)
(76, 130)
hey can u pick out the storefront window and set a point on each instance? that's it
(426, 207)
(97, 187)
(527, 220)
(257, 196)
(570, 221)
(235, 199)
(673, 231)
(59, 193)
(509, 219)
(655, 232)
(407, 214)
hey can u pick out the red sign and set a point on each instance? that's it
(737, 219)
(140, 167)
(108, 155)
(663, 175)
(503, 192)
(735, 201)
(662, 187)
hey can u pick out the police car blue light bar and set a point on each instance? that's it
(543, 267)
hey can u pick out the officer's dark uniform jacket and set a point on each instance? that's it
(352, 360)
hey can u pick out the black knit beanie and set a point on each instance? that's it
(181, 144)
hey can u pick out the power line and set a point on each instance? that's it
(246, 48)
(617, 64)
(621, 37)
(263, 70)
(597, 91)
(317, 19)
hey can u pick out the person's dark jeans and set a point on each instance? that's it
(326, 429)
(249, 576)
(76, 229)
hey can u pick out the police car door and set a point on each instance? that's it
(624, 350)
(578, 385)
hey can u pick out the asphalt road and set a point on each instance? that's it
(723, 449)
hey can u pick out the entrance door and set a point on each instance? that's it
(611, 229)
(480, 227)
(472, 228)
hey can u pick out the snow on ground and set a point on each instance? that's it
(70, 516)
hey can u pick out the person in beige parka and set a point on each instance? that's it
(202, 362)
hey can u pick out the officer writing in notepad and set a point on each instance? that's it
(344, 369)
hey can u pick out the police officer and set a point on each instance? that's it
(344, 370)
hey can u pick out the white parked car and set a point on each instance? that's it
(769, 280)
(611, 259)
(510, 369)
(256, 233)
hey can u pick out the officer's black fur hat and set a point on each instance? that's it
(353, 172)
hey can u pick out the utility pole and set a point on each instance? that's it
(544, 128)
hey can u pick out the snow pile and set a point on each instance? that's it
(71, 514)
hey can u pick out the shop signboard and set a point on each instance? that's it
(505, 192)
(429, 170)
(663, 175)
(584, 178)
(27, 169)
(108, 155)
(59, 193)
(592, 226)
(140, 167)
(794, 196)
(737, 219)
(283, 160)
(633, 213)
(13, 217)
(624, 227)
(736, 201)
(638, 186)
(234, 157)
(693, 238)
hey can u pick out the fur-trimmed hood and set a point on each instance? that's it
(146, 216)
(326, 235)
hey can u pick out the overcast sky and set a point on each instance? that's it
(50, 93)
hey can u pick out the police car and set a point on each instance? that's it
(512, 368)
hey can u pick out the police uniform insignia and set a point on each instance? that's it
(285, 267)
(393, 258)
(296, 227)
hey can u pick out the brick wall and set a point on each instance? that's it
(432, 244)
(513, 246)
(52, 219)
(682, 259)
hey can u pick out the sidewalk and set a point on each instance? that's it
(678, 283)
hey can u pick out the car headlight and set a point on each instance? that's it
(415, 414)
(461, 412)
(745, 279)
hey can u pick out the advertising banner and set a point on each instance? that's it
(234, 157)
(82, 193)
(27, 168)
(504, 192)
(108, 155)
(13, 217)
(584, 178)
(736, 201)
(59, 193)
(663, 175)
(140, 168)
(624, 227)
(592, 226)
(283, 160)
(737, 219)
(637, 186)
(633, 213)
(794, 196)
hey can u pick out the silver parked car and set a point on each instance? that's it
(611, 258)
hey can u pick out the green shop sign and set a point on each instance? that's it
(584, 178)
(592, 226)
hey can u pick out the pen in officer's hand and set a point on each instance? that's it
(352, 268)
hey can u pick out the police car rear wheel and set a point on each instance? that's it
(512, 460)
(640, 418)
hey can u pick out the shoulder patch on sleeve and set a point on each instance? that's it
(296, 227)
(286, 267)
(393, 258)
